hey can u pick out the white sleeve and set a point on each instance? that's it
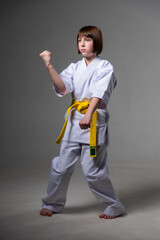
(67, 77)
(104, 83)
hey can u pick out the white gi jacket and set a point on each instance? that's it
(82, 81)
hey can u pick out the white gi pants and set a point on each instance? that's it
(95, 172)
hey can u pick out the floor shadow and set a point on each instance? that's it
(142, 197)
(92, 207)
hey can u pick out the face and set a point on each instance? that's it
(85, 45)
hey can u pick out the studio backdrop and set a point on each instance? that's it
(32, 115)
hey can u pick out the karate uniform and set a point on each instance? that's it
(84, 82)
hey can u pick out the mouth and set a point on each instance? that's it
(83, 50)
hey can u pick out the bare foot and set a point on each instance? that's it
(46, 212)
(108, 216)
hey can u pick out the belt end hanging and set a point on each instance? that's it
(92, 151)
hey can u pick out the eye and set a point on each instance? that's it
(88, 39)
(79, 39)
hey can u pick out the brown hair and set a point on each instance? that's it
(94, 33)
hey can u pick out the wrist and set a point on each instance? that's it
(49, 66)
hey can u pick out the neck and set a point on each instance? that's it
(90, 59)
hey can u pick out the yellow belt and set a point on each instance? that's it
(82, 107)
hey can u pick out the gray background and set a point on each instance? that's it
(32, 116)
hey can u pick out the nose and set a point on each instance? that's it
(82, 42)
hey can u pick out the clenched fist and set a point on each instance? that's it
(46, 57)
(85, 122)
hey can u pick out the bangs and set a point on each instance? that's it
(85, 34)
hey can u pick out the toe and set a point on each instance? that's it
(102, 215)
(50, 213)
(46, 212)
(110, 217)
(107, 216)
(42, 213)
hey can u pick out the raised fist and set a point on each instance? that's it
(46, 57)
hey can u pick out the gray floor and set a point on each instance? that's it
(22, 187)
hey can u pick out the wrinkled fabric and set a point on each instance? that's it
(95, 80)
(95, 172)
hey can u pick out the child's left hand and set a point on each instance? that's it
(85, 122)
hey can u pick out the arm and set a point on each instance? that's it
(57, 81)
(85, 122)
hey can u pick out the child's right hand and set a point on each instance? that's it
(46, 57)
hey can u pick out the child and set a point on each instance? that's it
(85, 132)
